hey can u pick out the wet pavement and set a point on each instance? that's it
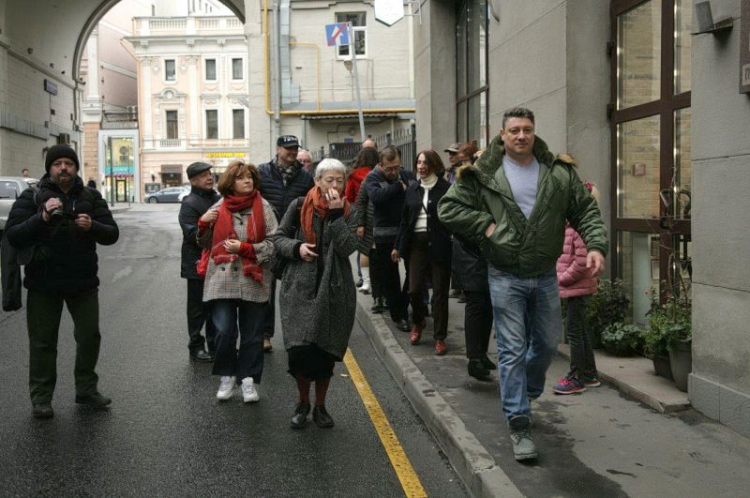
(598, 443)
(165, 434)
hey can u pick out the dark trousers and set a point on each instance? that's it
(421, 266)
(43, 314)
(477, 323)
(581, 351)
(376, 275)
(198, 314)
(392, 290)
(248, 360)
(269, 318)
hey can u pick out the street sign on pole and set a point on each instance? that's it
(389, 12)
(353, 55)
(337, 34)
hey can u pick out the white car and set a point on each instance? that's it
(10, 190)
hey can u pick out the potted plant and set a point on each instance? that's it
(678, 334)
(620, 339)
(654, 338)
(608, 306)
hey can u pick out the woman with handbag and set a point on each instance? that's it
(238, 232)
(318, 297)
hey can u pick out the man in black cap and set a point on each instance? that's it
(282, 180)
(56, 231)
(202, 196)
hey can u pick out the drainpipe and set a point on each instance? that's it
(277, 71)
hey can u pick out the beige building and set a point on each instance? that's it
(192, 75)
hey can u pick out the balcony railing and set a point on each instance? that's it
(146, 26)
(170, 143)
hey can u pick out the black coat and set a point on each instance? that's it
(273, 190)
(387, 197)
(63, 258)
(439, 236)
(193, 207)
(470, 267)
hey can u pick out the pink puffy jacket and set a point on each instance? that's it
(572, 276)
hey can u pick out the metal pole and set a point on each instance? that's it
(111, 173)
(353, 54)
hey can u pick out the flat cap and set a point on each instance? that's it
(287, 141)
(453, 147)
(197, 168)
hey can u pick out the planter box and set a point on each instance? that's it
(681, 359)
(662, 366)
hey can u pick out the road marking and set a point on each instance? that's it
(400, 462)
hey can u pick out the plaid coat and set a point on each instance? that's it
(226, 281)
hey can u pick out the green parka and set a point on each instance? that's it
(526, 248)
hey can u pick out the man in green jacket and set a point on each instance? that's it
(513, 204)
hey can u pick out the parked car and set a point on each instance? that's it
(184, 194)
(169, 194)
(10, 190)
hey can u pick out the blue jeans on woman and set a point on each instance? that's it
(248, 360)
(528, 326)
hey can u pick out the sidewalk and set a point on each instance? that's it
(634, 436)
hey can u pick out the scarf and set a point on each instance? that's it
(429, 181)
(315, 202)
(224, 229)
(288, 172)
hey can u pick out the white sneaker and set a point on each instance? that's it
(249, 390)
(226, 388)
(365, 289)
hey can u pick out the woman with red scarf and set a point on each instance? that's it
(238, 231)
(318, 297)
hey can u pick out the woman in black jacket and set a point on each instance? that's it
(426, 244)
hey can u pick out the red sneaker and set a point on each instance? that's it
(440, 348)
(568, 385)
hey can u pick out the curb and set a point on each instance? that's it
(472, 462)
(631, 391)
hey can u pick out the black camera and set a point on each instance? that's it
(63, 212)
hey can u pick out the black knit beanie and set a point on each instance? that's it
(56, 152)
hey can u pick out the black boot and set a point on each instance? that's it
(321, 417)
(487, 363)
(477, 370)
(299, 419)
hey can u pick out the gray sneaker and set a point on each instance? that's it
(520, 436)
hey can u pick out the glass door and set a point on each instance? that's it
(651, 146)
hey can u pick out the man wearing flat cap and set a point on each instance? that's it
(55, 230)
(282, 180)
(453, 161)
(202, 196)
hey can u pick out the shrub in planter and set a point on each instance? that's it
(673, 322)
(608, 306)
(620, 339)
(655, 340)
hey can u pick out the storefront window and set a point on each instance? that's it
(639, 55)
(638, 168)
(119, 173)
(472, 88)
(638, 266)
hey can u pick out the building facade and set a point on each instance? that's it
(632, 90)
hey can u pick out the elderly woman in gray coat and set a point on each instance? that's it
(318, 295)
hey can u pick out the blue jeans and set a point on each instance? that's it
(248, 360)
(528, 326)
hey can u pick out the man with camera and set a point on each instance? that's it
(56, 231)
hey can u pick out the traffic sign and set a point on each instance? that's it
(337, 34)
(389, 12)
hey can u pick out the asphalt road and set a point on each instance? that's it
(165, 434)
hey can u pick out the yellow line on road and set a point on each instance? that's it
(405, 472)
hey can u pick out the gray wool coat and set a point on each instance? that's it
(318, 299)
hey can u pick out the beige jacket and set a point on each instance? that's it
(226, 281)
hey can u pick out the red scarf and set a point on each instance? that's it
(224, 229)
(316, 202)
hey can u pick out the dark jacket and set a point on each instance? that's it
(440, 237)
(469, 264)
(193, 207)
(63, 258)
(11, 276)
(388, 199)
(526, 248)
(273, 190)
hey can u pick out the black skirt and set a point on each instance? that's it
(310, 362)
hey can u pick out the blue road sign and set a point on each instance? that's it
(337, 34)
